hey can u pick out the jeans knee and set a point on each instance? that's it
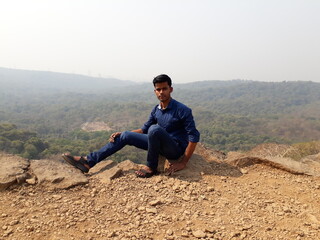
(124, 135)
(154, 129)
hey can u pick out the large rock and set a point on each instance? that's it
(107, 170)
(55, 174)
(210, 155)
(128, 166)
(101, 167)
(274, 155)
(313, 163)
(107, 175)
(199, 166)
(271, 150)
(13, 170)
(286, 164)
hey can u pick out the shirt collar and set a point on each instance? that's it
(169, 105)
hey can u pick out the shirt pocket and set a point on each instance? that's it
(173, 124)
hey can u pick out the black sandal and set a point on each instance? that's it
(145, 173)
(80, 164)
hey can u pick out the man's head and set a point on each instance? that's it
(162, 78)
(162, 88)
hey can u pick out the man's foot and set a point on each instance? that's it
(146, 172)
(77, 161)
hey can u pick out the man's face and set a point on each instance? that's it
(163, 91)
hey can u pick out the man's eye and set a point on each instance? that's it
(163, 89)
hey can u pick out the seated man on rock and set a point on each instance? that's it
(170, 131)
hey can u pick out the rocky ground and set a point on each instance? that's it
(214, 201)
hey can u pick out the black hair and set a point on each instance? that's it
(162, 78)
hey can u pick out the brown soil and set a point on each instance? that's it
(263, 203)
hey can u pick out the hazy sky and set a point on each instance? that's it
(191, 40)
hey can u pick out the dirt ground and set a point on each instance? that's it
(95, 126)
(260, 203)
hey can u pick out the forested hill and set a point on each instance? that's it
(235, 96)
(231, 115)
(250, 97)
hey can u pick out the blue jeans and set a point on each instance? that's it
(156, 141)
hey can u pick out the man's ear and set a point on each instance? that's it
(171, 89)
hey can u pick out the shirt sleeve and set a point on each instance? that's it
(190, 126)
(152, 120)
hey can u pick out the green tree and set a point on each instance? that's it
(16, 147)
(30, 151)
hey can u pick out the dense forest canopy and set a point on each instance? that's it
(231, 115)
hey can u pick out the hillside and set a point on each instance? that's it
(231, 115)
(209, 200)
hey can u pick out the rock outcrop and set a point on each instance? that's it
(274, 155)
(13, 170)
(56, 174)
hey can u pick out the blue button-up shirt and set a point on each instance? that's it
(177, 120)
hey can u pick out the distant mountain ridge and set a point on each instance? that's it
(46, 80)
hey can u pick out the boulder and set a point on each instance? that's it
(199, 166)
(273, 155)
(313, 163)
(107, 175)
(13, 170)
(107, 170)
(128, 166)
(55, 174)
(102, 166)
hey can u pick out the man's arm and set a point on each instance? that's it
(137, 130)
(176, 166)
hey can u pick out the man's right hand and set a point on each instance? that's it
(113, 136)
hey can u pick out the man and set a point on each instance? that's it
(169, 131)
